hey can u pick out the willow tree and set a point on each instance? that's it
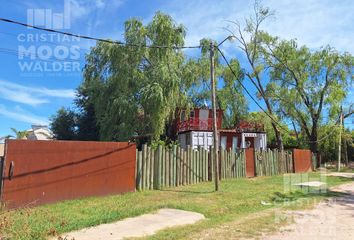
(135, 89)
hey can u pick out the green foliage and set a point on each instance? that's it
(64, 125)
(134, 91)
(289, 139)
(19, 134)
(305, 83)
(229, 96)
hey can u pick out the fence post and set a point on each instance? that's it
(147, 169)
(152, 167)
(178, 165)
(139, 168)
(143, 167)
(157, 168)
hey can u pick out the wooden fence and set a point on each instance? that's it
(170, 167)
(273, 162)
(164, 167)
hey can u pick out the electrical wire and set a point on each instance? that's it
(22, 54)
(94, 38)
(149, 46)
(48, 42)
(270, 116)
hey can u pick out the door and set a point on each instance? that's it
(223, 142)
(203, 119)
(250, 164)
(234, 144)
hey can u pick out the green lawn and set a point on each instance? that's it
(238, 199)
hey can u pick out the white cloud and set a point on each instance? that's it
(82, 8)
(31, 95)
(18, 114)
(315, 23)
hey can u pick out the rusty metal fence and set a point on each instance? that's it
(302, 160)
(1, 174)
(37, 172)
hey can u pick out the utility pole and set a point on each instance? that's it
(340, 138)
(215, 130)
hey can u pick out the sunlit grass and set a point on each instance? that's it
(237, 200)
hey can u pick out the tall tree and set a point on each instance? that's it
(309, 86)
(134, 90)
(249, 41)
(64, 125)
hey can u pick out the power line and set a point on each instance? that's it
(22, 54)
(94, 38)
(248, 93)
(48, 42)
(270, 116)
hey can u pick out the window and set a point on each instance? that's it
(223, 142)
(188, 138)
(234, 144)
(191, 114)
(183, 115)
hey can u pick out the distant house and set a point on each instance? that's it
(39, 132)
(196, 130)
(2, 149)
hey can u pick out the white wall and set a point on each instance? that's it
(196, 139)
(260, 141)
(2, 149)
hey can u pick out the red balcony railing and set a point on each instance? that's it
(197, 124)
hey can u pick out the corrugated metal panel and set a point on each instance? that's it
(250, 163)
(302, 160)
(49, 171)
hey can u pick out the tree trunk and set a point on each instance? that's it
(278, 137)
(313, 142)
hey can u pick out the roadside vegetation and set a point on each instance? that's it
(249, 202)
(133, 92)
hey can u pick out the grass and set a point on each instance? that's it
(236, 206)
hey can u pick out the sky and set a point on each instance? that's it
(43, 77)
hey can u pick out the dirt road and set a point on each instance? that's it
(333, 219)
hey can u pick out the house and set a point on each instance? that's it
(244, 135)
(196, 130)
(39, 132)
(2, 149)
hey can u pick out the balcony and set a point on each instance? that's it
(197, 124)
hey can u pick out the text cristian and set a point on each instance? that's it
(46, 37)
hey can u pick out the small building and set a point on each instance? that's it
(39, 132)
(245, 135)
(195, 127)
(196, 130)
